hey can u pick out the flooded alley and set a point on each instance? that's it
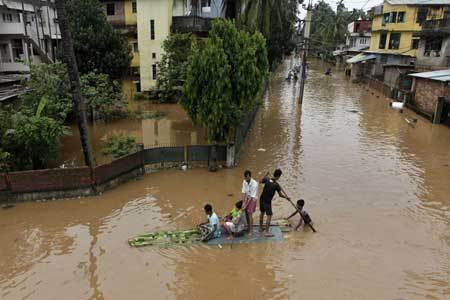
(376, 187)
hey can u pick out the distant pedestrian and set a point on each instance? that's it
(249, 194)
(328, 72)
(265, 201)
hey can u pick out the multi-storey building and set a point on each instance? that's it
(433, 52)
(28, 34)
(147, 23)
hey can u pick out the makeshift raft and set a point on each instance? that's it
(189, 236)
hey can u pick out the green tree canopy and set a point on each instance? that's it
(329, 27)
(173, 65)
(104, 99)
(96, 44)
(224, 78)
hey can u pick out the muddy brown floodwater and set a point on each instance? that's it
(377, 188)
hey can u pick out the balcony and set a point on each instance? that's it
(185, 24)
(12, 28)
(438, 26)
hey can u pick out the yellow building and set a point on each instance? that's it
(154, 18)
(397, 23)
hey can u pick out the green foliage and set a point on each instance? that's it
(173, 65)
(224, 78)
(50, 82)
(275, 19)
(97, 45)
(28, 141)
(119, 145)
(103, 96)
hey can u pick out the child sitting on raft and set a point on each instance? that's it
(237, 224)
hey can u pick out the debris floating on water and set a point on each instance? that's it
(230, 195)
(9, 205)
(261, 150)
(219, 245)
(352, 111)
(411, 121)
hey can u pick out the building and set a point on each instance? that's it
(433, 52)
(357, 40)
(28, 34)
(147, 23)
(358, 35)
(432, 95)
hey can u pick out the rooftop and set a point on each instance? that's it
(418, 2)
(441, 75)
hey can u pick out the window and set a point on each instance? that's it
(422, 13)
(394, 40)
(5, 56)
(154, 55)
(134, 7)
(415, 43)
(393, 17)
(206, 3)
(135, 47)
(385, 19)
(154, 71)
(382, 43)
(401, 17)
(110, 9)
(152, 29)
(433, 47)
(138, 86)
(17, 49)
(7, 18)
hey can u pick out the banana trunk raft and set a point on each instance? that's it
(189, 236)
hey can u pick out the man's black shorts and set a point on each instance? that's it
(266, 207)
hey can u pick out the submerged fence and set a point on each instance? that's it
(68, 182)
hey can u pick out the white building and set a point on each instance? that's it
(28, 34)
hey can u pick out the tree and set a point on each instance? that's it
(78, 101)
(275, 19)
(96, 44)
(224, 78)
(28, 139)
(102, 95)
(329, 27)
(173, 65)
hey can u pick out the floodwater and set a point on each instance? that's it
(376, 187)
(172, 128)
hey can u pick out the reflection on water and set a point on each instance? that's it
(376, 188)
(173, 129)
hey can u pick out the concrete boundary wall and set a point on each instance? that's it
(80, 182)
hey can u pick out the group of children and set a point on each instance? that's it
(241, 217)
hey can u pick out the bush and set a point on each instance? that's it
(118, 145)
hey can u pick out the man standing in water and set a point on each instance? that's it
(249, 192)
(265, 201)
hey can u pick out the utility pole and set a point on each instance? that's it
(305, 46)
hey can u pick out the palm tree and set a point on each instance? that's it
(78, 101)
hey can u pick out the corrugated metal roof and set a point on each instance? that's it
(441, 75)
(418, 2)
(360, 57)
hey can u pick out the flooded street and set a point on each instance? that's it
(376, 187)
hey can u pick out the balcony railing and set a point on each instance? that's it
(191, 24)
(438, 25)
